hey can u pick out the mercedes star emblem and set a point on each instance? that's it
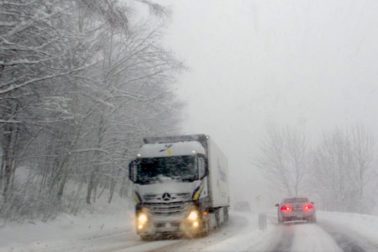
(166, 196)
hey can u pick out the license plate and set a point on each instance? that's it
(299, 215)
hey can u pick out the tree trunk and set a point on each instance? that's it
(9, 156)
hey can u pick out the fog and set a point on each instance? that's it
(91, 90)
(255, 63)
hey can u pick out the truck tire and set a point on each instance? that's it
(205, 227)
(146, 237)
(217, 219)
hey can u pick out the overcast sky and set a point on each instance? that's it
(311, 64)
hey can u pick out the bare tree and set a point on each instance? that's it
(283, 159)
(363, 145)
(80, 86)
(341, 164)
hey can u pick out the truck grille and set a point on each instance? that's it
(175, 196)
(167, 208)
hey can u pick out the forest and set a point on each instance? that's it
(81, 81)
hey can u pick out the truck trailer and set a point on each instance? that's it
(180, 186)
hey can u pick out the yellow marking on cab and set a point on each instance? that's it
(136, 198)
(169, 151)
(198, 193)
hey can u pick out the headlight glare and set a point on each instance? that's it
(193, 215)
(196, 224)
(142, 219)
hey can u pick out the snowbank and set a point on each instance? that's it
(40, 236)
(359, 224)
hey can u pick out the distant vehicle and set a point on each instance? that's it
(180, 186)
(242, 206)
(296, 209)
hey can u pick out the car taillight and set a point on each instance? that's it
(308, 207)
(285, 208)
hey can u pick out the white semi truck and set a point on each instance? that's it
(180, 185)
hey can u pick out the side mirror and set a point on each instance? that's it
(203, 173)
(277, 205)
(132, 170)
(202, 169)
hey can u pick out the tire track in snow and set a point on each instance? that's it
(285, 239)
(348, 242)
(187, 244)
(240, 234)
(152, 246)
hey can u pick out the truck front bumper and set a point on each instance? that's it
(174, 224)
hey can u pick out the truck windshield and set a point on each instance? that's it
(155, 170)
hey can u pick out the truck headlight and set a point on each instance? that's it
(193, 215)
(195, 224)
(142, 220)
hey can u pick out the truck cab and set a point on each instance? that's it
(171, 186)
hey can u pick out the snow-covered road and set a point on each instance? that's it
(242, 234)
(333, 232)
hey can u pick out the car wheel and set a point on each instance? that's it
(311, 219)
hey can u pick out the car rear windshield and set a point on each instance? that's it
(296, 200)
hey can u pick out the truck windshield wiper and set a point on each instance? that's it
(188, 179)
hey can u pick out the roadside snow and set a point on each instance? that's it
(66, 230)
(360, 224)
(112, 231)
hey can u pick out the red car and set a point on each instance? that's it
(296, 209)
